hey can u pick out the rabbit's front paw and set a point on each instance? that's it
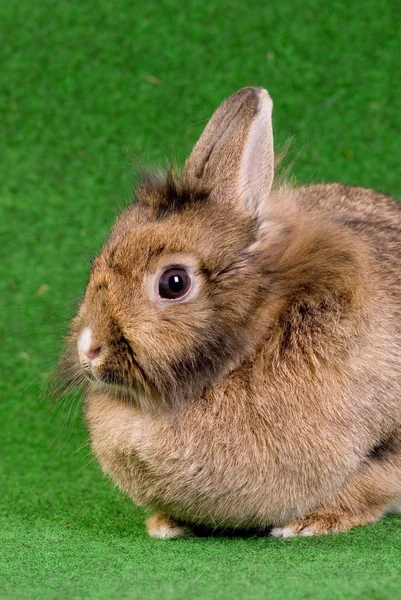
(165, 528)
(320, 522)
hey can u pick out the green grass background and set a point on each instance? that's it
(87, 88)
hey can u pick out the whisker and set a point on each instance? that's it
(43, 312)
(80, 246)
(96, 240)
(33, 334)
(87, 465)
(81, 447)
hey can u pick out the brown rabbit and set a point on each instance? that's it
(242, 344)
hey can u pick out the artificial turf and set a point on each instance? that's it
(88, 88)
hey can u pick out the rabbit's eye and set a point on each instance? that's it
(174, 283)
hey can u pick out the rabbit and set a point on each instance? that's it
(240, 343)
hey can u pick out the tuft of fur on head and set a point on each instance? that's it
(165, 192)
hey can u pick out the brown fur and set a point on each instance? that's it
(272, 396)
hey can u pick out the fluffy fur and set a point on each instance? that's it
(271, 395)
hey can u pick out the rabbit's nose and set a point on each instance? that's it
(92, 354)
(87, 346)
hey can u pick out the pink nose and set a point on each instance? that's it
(92, 354)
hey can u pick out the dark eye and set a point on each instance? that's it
(174, 283)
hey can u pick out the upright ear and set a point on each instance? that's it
(234, 155)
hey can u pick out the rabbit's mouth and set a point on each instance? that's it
(128, 382)
(120, 377)
(135, 391)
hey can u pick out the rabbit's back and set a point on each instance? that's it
(373, 216)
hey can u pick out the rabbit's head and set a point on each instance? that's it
(172, 299)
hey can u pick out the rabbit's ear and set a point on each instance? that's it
(234, 155)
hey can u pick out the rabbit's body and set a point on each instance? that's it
(244, 346)
(260, 452)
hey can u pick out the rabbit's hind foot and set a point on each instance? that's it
(323, 521)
